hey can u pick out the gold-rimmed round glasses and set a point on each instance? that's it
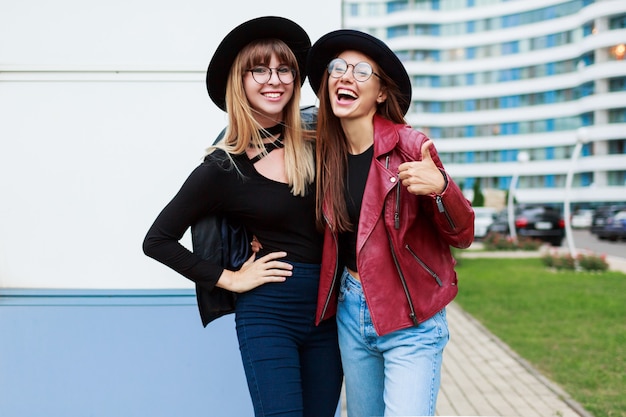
(361, 71)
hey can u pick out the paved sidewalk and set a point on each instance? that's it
(482, 376)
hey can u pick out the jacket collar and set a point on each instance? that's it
(385, 136)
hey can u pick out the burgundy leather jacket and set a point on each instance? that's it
(403, 242)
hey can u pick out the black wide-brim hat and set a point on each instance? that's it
(333, 43)
(260, 28)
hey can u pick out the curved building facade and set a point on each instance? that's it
(528, 89)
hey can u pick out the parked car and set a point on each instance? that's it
(614, 228)
(601, 214)
(538, 222)
(581, 219)
(483, 217)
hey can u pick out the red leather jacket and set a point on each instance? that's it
(407, 282)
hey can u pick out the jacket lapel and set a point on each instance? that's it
(380, 180)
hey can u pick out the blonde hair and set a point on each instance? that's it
(243, 129)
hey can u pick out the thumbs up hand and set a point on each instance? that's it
(422, 177)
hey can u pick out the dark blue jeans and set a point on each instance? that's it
(293, 367)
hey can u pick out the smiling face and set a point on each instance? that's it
(352, 99)
(270, 98)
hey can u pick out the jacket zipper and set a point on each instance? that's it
(396, 213)
(396, 223)
(334, 281)
(426, 267)
(412, 315)
(442, 209)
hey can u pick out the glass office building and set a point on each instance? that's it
(534, 89)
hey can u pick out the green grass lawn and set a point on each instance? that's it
(570, 325)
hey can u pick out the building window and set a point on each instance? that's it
(617, 115)
(617, 22)
(511, 20)
(585, 90)
(509, 48)
(616, 178)
(352, 10)
(397, 31)
(617, 84)
(617, 147)
(397, 6)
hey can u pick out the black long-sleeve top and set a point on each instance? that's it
(267, 208)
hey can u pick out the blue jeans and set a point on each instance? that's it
(397, 374)
(292, 366)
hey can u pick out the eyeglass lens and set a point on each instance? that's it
(262, 74)
(361, 71)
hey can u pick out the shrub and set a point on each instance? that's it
(585, 262)
(497, 241)
(593, 262)
(559, 261)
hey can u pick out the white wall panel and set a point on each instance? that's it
(103, 114)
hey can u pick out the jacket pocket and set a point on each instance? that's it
(423, 264)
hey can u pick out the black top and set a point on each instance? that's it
(267, 208)
(356, 177)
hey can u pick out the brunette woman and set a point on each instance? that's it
(390, 213)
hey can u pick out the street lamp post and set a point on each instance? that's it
(522, 157)
(582, 137)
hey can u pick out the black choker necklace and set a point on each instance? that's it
(270, 146)
(272, 131)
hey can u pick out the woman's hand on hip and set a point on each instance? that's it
(254, 273)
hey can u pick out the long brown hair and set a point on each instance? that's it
(332, 151)
(243, 129)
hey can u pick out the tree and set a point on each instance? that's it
(479, 197)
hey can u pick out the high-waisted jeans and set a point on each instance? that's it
(293, 367)
(397, 374)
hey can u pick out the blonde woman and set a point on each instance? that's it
(262, 176)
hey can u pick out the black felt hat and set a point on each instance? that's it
(333, 43)
(260, 28)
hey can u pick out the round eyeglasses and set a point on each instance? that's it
(361, 71)
(263, 74)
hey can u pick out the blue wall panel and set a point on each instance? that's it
(116, 353)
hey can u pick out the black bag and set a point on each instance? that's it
(220, 241)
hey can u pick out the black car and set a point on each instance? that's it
(537, 222)
(601, 214)
(614, 228)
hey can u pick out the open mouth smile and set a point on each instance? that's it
(344, 94)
